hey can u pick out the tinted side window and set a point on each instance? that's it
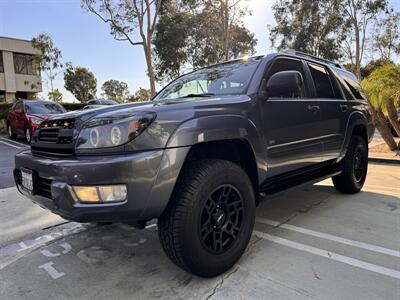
(324, 86)
(286, 64)
(354, 87)
(18, 105)
(343, 86)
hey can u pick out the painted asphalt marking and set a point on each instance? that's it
(151, 226)
(330, 255)
(67, 248)
(13, 252)
(48, 267)
(11, 145)
(13, 142)
(331, 237)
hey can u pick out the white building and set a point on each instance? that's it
(19, 74)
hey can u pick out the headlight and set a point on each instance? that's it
(113, 130)
(36, 121)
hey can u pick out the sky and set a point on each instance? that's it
(85, 40)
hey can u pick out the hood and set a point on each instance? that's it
(152, 106)
(40, 116)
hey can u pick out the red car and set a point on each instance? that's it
(25, 116)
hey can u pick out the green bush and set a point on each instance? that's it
(4, 108)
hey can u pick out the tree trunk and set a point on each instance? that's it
(150, 69)
(392, 114)
(358, 51)
(225, 20)
(379, 120)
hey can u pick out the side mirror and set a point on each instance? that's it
(285, 83)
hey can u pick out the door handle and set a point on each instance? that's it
(313, 108)
(344, 107)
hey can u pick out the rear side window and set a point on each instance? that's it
(351, 84)
(287, 64)
(18, 105)
(325, 87)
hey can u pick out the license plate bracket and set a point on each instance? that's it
(27, 180)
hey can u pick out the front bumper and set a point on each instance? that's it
(150, 177)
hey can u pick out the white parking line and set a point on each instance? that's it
(14, 142)
(331, 237)
(330, 255)
(11, 145)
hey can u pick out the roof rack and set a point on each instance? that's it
(299, 53)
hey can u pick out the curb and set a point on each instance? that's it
(384, 160)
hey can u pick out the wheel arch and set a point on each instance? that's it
(357, 125)
(238, 151)
(211, 132)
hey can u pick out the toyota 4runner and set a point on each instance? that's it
(199, 154)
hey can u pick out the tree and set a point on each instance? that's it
(127, 20)
(383, 89)
(367, 70)
(309, 26)
(48, 58)
(116, 90)
(358, 15)
(386, 36)
(194, 30)
(55, 95)
(141, 95)
(80, 82)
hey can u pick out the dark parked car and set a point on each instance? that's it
(96, 103)
(200, 153)
(25, 116)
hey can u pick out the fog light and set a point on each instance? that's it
(86, 193)
(101, 194)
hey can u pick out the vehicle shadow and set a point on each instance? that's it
(117, 261)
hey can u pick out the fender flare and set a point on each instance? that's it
(219, 128)
(356, 118)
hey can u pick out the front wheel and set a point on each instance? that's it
(355, 167)
(209, 220)
(10, 131)
(28, 134)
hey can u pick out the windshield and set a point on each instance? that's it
(228, 78)
(107, 102)
(44, 108)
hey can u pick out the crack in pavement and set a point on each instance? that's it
(219, 284)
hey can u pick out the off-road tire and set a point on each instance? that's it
(350, 181)
(179, 225)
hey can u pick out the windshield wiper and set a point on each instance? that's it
(198, 95)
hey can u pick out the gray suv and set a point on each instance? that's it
(200, 153)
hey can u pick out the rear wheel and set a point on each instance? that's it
(355, 167)
(209, 220)
(11, 134)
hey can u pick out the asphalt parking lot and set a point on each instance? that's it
(310, 243)
(8, 148)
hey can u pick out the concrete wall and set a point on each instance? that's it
(11, 82)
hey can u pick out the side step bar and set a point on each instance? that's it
(300, 177)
